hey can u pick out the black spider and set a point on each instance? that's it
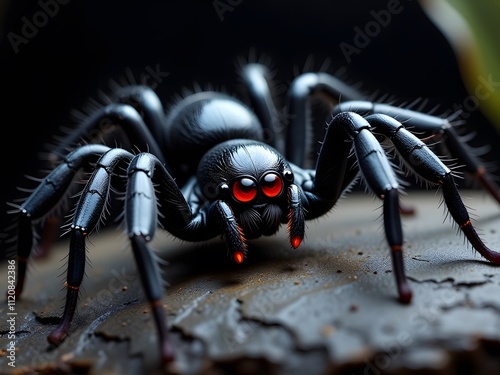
(230, 182)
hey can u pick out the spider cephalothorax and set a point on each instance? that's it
(257, 184)
(214, 166)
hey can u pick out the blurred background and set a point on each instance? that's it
(56, 54)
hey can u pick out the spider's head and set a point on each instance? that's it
(255, 181)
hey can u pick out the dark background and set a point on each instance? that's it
(84, 43)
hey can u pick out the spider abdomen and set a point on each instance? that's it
(202, 120)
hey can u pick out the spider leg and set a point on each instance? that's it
(430, 127)
(146, 205)
(330, 90)
(143, 133)
(43, 199)
(145, 101)
(426, 164)
(296, 226)
(125, 117)
(257, 79)
(325, 86)
(49, 235)
(232, 232)
(207, 221)
(141, 216)
(349, 129)
(150, 277)
(89, 212)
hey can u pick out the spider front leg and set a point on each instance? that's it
(43, 200)
(141, 216)
(89, 212)
(431, 128)
(153, 198)
(334, 172)
(427, 165)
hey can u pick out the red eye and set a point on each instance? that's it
(271, 185)
(244, 190)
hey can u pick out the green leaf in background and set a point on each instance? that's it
(473, 28)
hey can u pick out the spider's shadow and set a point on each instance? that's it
(185, 260)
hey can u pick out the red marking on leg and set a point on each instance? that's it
(481, 171)
(404, 290)
(238, 257)
(295, 241)
(166, 350)
(486, 181)
(406, 210)
(59, 334)
(466, 224)
(478, 244)
(405, 293)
